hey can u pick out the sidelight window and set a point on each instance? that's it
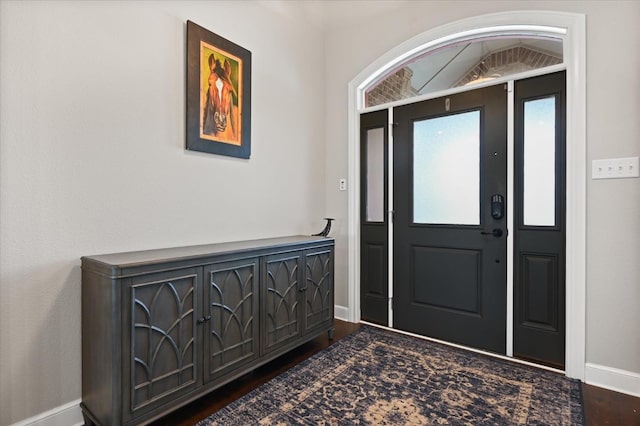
(539, 162)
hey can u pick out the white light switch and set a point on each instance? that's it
(615, 168)
(343, 184)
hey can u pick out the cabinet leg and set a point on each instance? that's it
(88, 421)
(330, 333)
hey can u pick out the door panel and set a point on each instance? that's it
(539, 239)
(160, 339)
(281, 303)
(318, 293)
(231, 303)
(540, 291)
(449, 263)
(374, 288)
(454, 278)
(374, 273)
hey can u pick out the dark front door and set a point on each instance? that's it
(449, 162)
(539, 240)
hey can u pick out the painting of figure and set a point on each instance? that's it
(218, 94)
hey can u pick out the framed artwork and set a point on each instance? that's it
(218, 94)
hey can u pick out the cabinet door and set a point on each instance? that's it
(160, 339)
(318, 290)
(231, 314)
(281, 298)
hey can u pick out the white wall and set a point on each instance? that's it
(92, 159)
(358, 35)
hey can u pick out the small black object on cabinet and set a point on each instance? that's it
(327, 228)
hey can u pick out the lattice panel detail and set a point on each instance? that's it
(162, 340)
(232, 302)
(282, 320)
(319, 296)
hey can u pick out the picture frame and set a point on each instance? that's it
(218, 94)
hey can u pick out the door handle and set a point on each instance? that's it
(496, 232)
(204, 319)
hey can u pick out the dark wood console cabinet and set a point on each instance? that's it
(161, 328)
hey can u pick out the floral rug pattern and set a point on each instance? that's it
(376, 377)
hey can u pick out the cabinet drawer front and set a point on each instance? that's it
(319, 303)
(160, 353)
(231, 300)
(281, 299)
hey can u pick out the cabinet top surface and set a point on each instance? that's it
(139, 258)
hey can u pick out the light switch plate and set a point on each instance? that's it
(615, 168)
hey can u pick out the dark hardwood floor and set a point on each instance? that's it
(601, 406)
(605, 407)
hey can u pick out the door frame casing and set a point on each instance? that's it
(570, 27)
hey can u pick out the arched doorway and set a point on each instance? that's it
(569, 27)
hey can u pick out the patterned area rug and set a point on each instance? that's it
(378, 377)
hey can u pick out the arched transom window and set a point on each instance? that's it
(465, 63)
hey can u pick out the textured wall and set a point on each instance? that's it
(92, 159)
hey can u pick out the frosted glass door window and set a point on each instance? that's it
(446, 170)
(539, 162)
(375, 175)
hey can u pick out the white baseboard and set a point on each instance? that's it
(341, 312)
(68, 414)
(612, 378)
